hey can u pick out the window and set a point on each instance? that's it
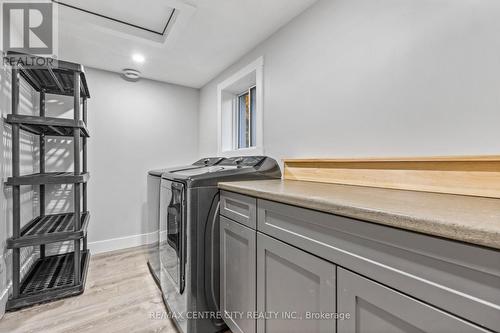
(240, 113)
(246, 118)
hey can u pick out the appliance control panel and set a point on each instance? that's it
(209, 161)
(243, 161)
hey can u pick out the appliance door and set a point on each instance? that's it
(153, 225)
(172, 234)
(212, 260)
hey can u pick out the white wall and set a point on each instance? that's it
(377, 78)
(134, 127)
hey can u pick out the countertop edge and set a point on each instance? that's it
(429, 227)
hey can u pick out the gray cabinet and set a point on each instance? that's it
(238, 280)
(292, 284)
(456, 277)
(374, 308)
(423, 283)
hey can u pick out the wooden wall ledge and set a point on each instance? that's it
(465, 175)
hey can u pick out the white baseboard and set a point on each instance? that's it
(120, 243)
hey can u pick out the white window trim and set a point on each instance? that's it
(256, 66)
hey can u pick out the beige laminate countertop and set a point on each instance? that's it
(469, 219)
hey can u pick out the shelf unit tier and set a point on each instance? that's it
(50, 229)
(48, 126)
(51, 278)
(49, 178)
(57, 80)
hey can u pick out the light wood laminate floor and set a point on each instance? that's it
(120, 296)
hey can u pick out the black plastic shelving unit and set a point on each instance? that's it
(63, 275)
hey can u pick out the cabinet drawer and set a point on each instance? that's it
(239, 208)
(375, 308)
(460, 278)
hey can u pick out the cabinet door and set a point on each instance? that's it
(237, 276)
(374, 308)
(292, 285)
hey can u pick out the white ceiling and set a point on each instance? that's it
(206, 35)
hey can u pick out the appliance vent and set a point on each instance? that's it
(131, 75)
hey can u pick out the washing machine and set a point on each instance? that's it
(152, 223)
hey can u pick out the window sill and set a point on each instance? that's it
(253, 151)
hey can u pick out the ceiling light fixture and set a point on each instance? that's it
(138, 58)
(131, 75)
